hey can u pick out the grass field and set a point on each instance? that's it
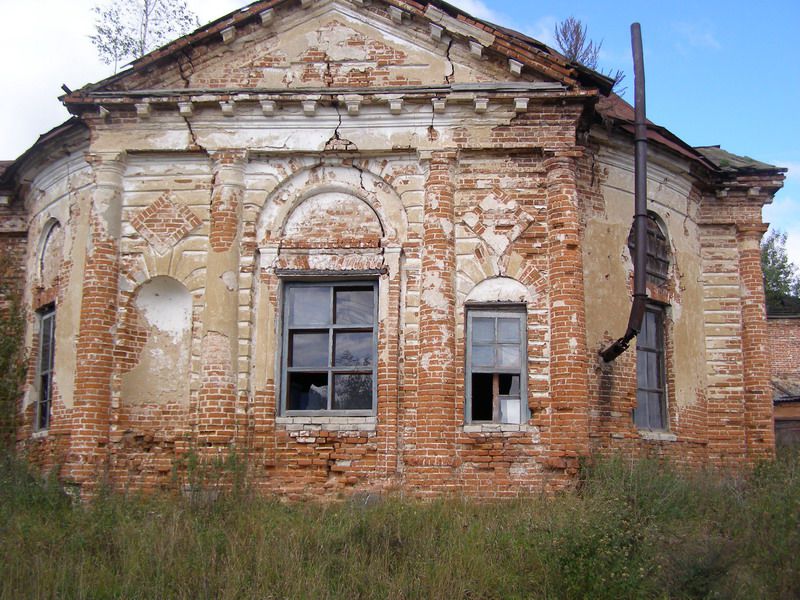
(631, 530)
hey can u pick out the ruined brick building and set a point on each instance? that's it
(371, 245)
(783, 327)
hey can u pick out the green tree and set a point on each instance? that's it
(129, 29)
(781, 279)
(573, 40)
(12, 358)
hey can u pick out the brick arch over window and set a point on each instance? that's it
(316, 184)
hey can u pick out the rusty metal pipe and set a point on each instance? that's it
(640, 213)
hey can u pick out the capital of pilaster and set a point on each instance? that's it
(749, 235)
(556, 161)
(108, 167)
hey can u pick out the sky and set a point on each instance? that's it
(724, 73)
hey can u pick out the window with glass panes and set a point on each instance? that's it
(651, 397)
(329, 347)
(496, 366)
(47, 348)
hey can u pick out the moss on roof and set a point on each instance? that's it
(727, 161)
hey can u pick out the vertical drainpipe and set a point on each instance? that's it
(640, 215)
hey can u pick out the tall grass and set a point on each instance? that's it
(632, 530)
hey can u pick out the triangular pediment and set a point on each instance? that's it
(338, 44)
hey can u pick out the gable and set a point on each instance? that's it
(338, 43)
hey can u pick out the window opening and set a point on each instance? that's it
(650, 412)
(496, 366)
(330, 347)
(47, 348)
(658, 254)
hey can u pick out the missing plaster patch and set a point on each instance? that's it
(229, 279)
(166, 305)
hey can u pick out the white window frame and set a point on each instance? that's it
(44, 370)
(332, 328)
(518, 312)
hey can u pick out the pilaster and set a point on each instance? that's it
(430, 451)
(218, 397)
(566, 426)
(759, 428)
(88, 453)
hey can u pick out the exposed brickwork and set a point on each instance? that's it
(758, 390)
(429, 453)
(436, 199)
(566, 429)
(783, 338)
(89, 428)
(164, 223)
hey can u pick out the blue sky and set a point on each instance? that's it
(724, 73)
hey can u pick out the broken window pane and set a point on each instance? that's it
(482, 396)
(307, 391)
(509, 385)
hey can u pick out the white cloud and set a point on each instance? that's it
(784, 214)
(793, 175)
(543, 29)
(478, 8)
(697, 35)
(36, 64)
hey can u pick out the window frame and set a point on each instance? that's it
(44, 372)
(659, 256)
(331, 327)
(660, 351)
(497, 311)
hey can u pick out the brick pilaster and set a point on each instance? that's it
(430, 457)
(566, 432)
(216, 419)
(759, 429)
(88, 453)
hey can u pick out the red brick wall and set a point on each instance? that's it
(783, 337)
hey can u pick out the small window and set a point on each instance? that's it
(47, 349)
(496, 366)
(658, 254)
(330, 347)
(651, 404)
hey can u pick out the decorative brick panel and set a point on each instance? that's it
(165, 223)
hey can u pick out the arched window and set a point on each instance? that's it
(658, 254)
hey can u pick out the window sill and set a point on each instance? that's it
(498, 428)
(318, 423)
(41, 434)
(658, 436)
